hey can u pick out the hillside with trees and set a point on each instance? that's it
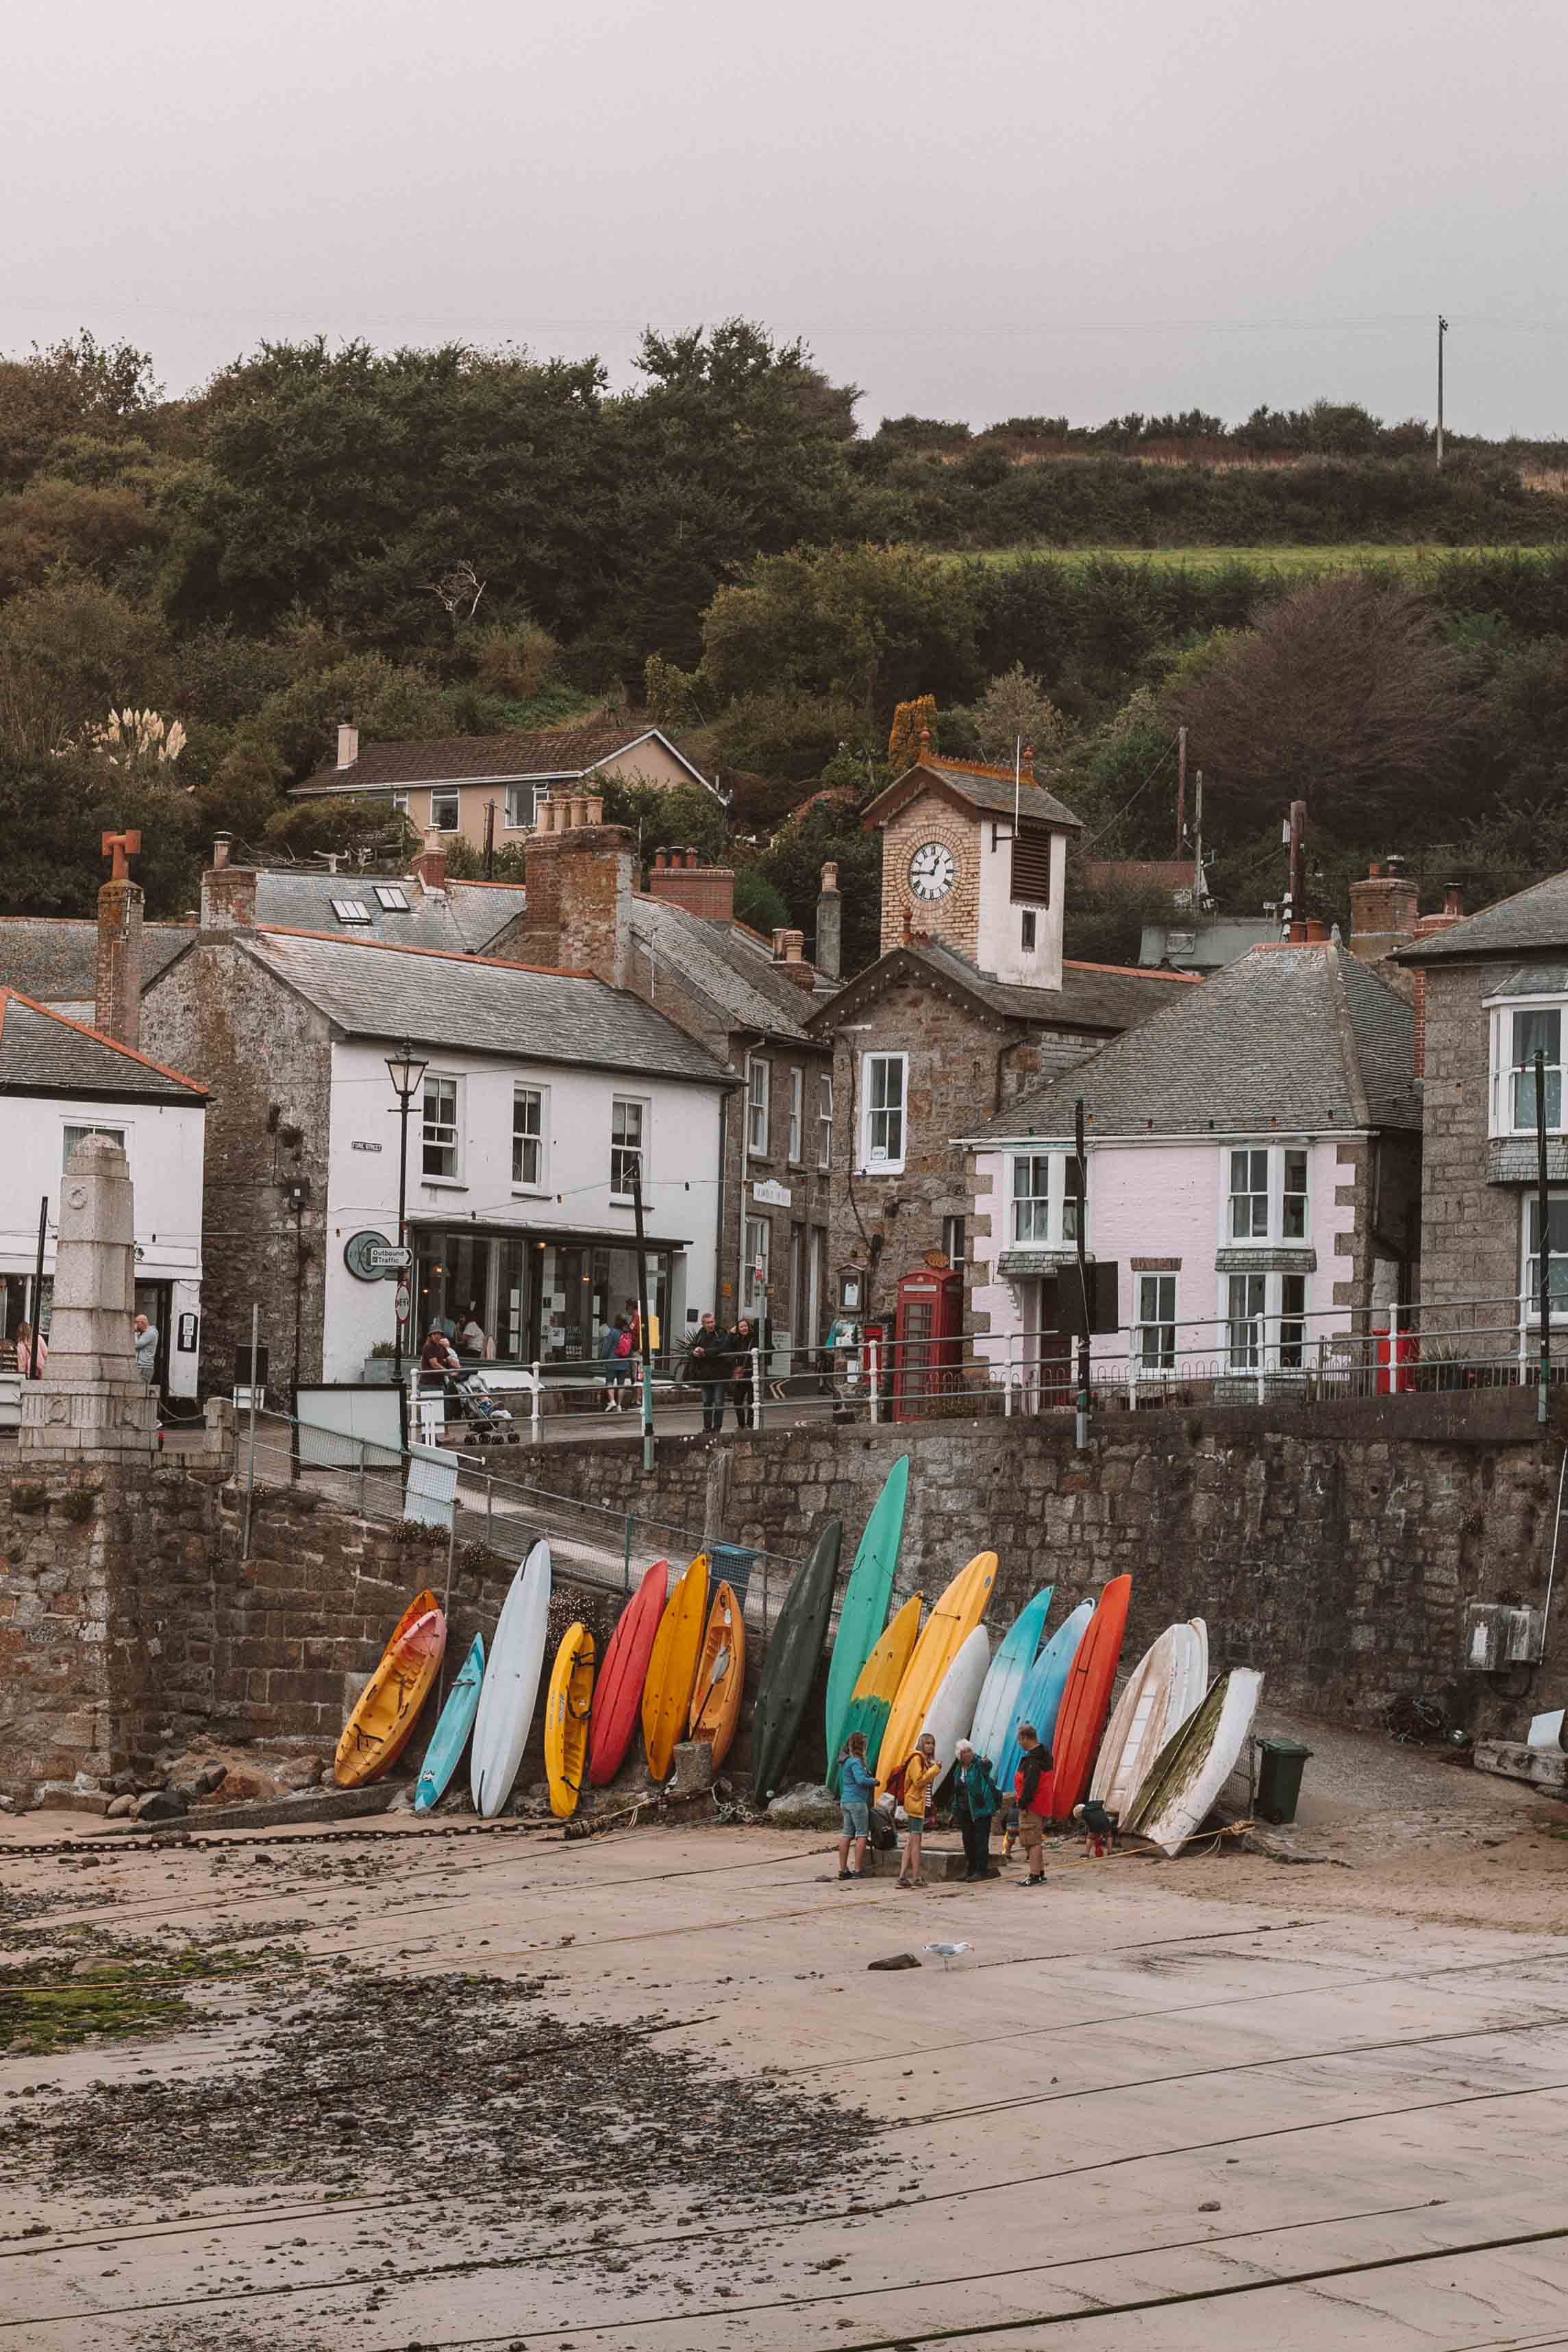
(195, 592)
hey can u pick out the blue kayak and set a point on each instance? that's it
(450, 1737)
(1040, 1697)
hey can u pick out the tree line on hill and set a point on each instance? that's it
(455, 541)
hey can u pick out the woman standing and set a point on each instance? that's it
(25, 1351)
(921, 1775)
(976, 1799)
(742, 1343)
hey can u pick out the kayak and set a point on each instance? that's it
(791, 1665)
(862, 1613)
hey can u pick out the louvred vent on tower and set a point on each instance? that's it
(1031, 868)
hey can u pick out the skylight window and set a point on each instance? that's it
(351, 910)
(391, 898)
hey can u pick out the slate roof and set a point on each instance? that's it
(466, 918)
(734, 975)
(54, 959)
(983, 788)
(556, 753)
(1306, 1038)
(370, 990)
(1109, 997)
(1532, 918)
(42, 1052)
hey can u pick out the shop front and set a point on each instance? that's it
(521, 1298)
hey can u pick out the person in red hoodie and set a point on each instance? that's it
(1032, 1786)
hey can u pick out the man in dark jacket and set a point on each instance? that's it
(707, 1363)
(975, 1802)
(1035, 1795)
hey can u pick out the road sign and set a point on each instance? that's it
(404, 1302)
(389, 1254)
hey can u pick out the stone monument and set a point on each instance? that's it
(92, 1404)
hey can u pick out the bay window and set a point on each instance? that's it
(1557, 1240)
(1266, 1196)
(1043, 1191)
(1156, 1329)
(1265, 1322)
(1518, 1033)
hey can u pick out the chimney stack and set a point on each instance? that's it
(1381, 911)
(117, 993)
(1453, 912)
(790, 954)
(830, 924)
(347, 746)
(579, 874)
(679, 878)
(228, 892)
(429, 864)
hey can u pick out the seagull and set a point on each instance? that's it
(948, 1952)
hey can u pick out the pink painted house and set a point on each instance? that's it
(1253, 1172)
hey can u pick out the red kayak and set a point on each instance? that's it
(618, 1693)
(1086, 1700)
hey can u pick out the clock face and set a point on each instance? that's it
(932, 870)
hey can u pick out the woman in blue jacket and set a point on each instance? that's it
(857, 1787)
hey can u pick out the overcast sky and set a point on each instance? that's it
(972, 211)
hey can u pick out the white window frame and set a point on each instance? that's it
(1271, 1195)
(1028, 931)
(75, 1131)
(622, 1147)
(1529, 1269)
(391, 898)
(538, 1136)
(515, 797)
(824, 1121)
(758, 1105)
(1513, 1079)
(1277, 1325)
(797, 1113)
(449, 793)
(400, 803)
(955, 1229)
(875, 1159)
(1154, 1321)
(440, 1134)
(758, 1261)
(1040, 1219)
(351, 910)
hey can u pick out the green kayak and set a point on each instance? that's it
(863, 1611)
(790, 1664)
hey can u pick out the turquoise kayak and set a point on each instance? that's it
(450, 1737)
(997, 1712)
(1040, 1697)
(862, 1613)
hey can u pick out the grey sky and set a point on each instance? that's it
(972, 212)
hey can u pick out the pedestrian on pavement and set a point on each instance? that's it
(438, 1354)
(1034, 1791)
(707, 1365)
(742, 1344)
(857, 1786)
(921, 1775)
(615, 1352)
(975, 1800)
(146, 1348)
(24, 1364)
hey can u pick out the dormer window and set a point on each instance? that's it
(391, 898)
(351, 910)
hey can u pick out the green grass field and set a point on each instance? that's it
(1345, 558)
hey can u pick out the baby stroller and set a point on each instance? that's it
(490, 1423)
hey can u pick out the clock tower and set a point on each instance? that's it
(976, 858)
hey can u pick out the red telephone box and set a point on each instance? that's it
(928, 1340)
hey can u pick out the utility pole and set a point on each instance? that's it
(643, 1316)
(38, 1288)
(1442, 330)
(1295, 871)
(1081, 1178)
(1543, 1212)
(1181, 788)
(489, 840)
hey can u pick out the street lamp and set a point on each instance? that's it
(407, 1076)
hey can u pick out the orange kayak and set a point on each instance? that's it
(673, 1668)
(1086, 1699)
(721, 1675)
(388, 1707)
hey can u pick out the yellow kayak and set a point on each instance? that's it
(876, 1685)
(672, 1667)
(566, 1720)
(954, 1617)
(388, 1707)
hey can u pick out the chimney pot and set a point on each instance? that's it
(660, 861)
(221, 850)
(1453, 901)
(830, 924)
(830, 876)
(347, 746)
(1029, 761)
(430, 864)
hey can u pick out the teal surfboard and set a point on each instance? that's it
(450, 1736)
(996, 1713)
(1040, 1697)
(862, 1613)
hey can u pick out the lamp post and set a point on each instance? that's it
(406, 1075)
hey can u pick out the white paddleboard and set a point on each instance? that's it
(1210, 1749)
(952, 1709)
(511, 1686)
(1164, 1689)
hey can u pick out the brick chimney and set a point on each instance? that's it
(830, 925)
(1453, 912)
(429, 866)
(228, 892)
(579, 874)
(347, 746)
(680, 878)
(117, 993)
(790, 955)
(1381, 911)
